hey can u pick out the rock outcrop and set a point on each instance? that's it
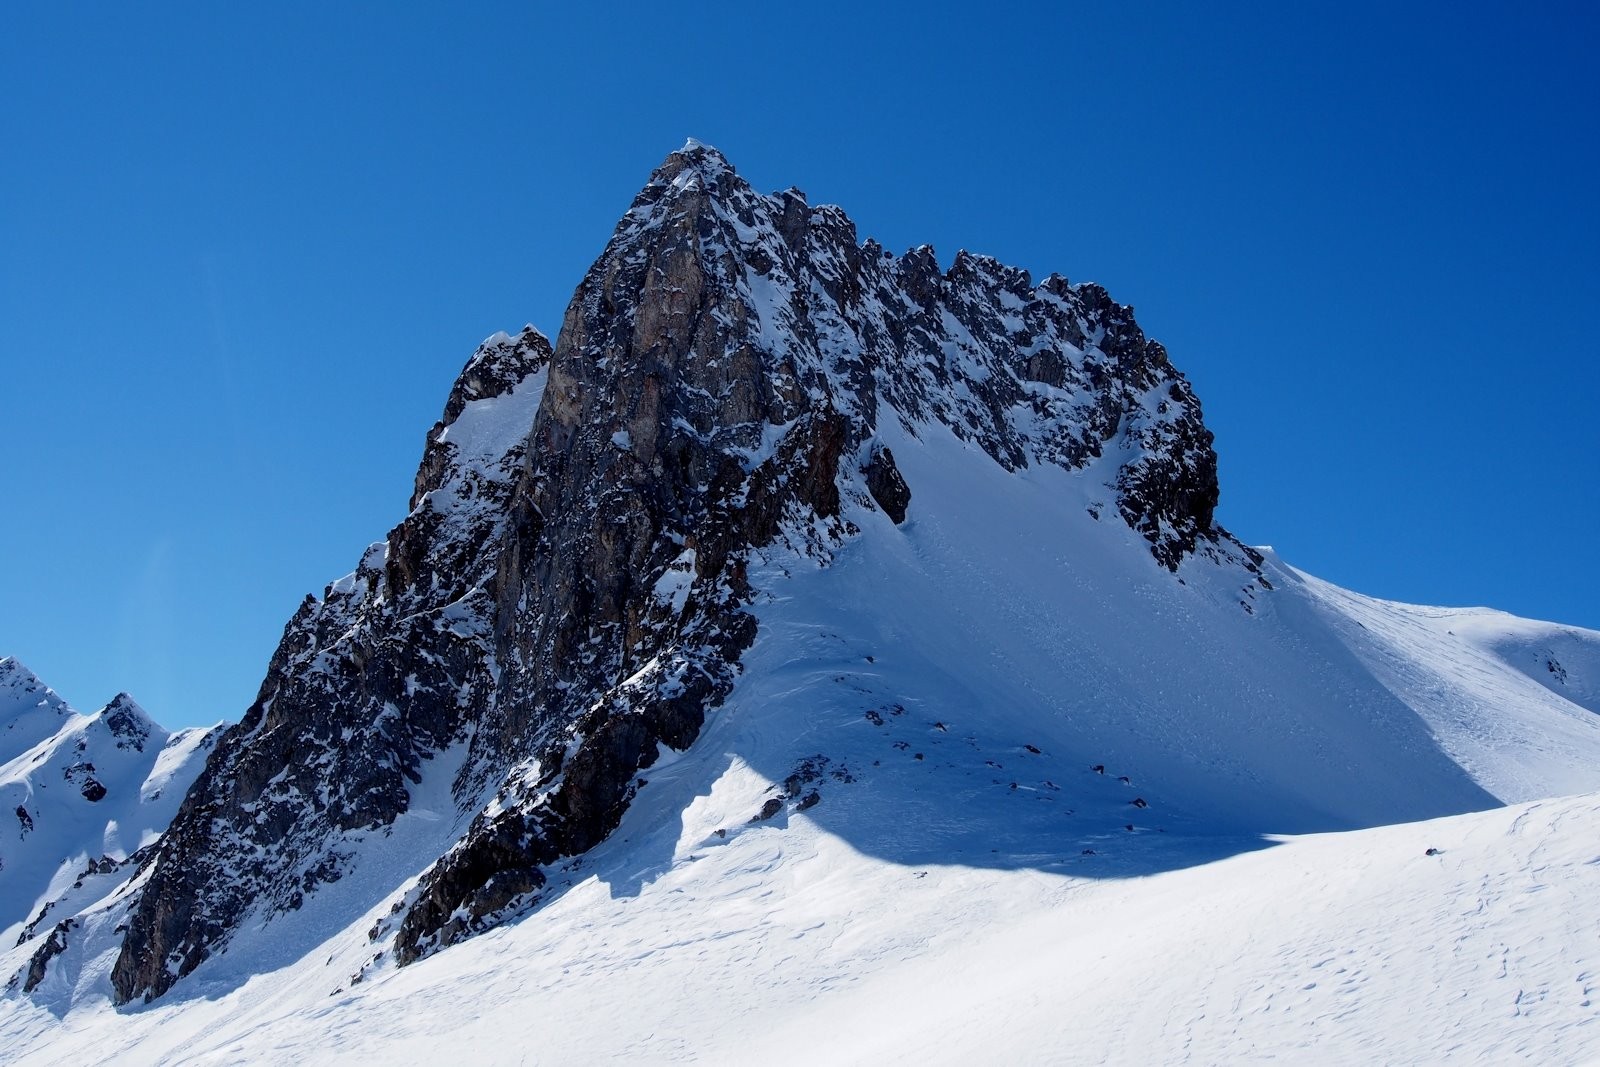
(567, 595)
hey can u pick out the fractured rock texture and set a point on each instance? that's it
(567, 593)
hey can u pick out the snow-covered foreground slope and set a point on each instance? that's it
(785, 945)
(906, 835)
(80, 795)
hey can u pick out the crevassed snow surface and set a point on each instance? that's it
(1031, 795)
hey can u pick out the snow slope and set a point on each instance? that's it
(906, 836)
(1511, 700)
(79, 795)
(784, 945)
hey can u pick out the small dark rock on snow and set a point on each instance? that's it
(769, 809)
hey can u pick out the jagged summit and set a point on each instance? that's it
(124, 701)
(570, 593)
(11, 667)
(792, 577)
(693, 170)
(129, 723)
(706, 160)
(1019, 368)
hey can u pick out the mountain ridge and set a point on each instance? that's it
(715, 385)
(927, 557)
(90, 794)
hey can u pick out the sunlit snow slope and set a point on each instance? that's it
(994, 785)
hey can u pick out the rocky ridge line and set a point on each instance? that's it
(567, 594)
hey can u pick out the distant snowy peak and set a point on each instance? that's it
(126, 721)
(82, 801)
(30, 711)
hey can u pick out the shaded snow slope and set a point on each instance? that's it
(79, 801)
(1000, 617)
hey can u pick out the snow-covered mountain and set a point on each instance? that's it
(810, 619)
(89, 796)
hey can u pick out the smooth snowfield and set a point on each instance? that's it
(1028, 794)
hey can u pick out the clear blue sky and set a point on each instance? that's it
(244, 250)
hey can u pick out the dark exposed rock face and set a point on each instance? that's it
(368, 684)
(887, 487)
(567, 593)
(54, 945)
(127, 722)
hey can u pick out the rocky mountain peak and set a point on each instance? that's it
(567, 597)
(17, 680)
(695, 162)
(130, 724)
(500, 364)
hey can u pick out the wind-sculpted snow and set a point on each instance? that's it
(1514, 701)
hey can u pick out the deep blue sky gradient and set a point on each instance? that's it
(244, 250)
